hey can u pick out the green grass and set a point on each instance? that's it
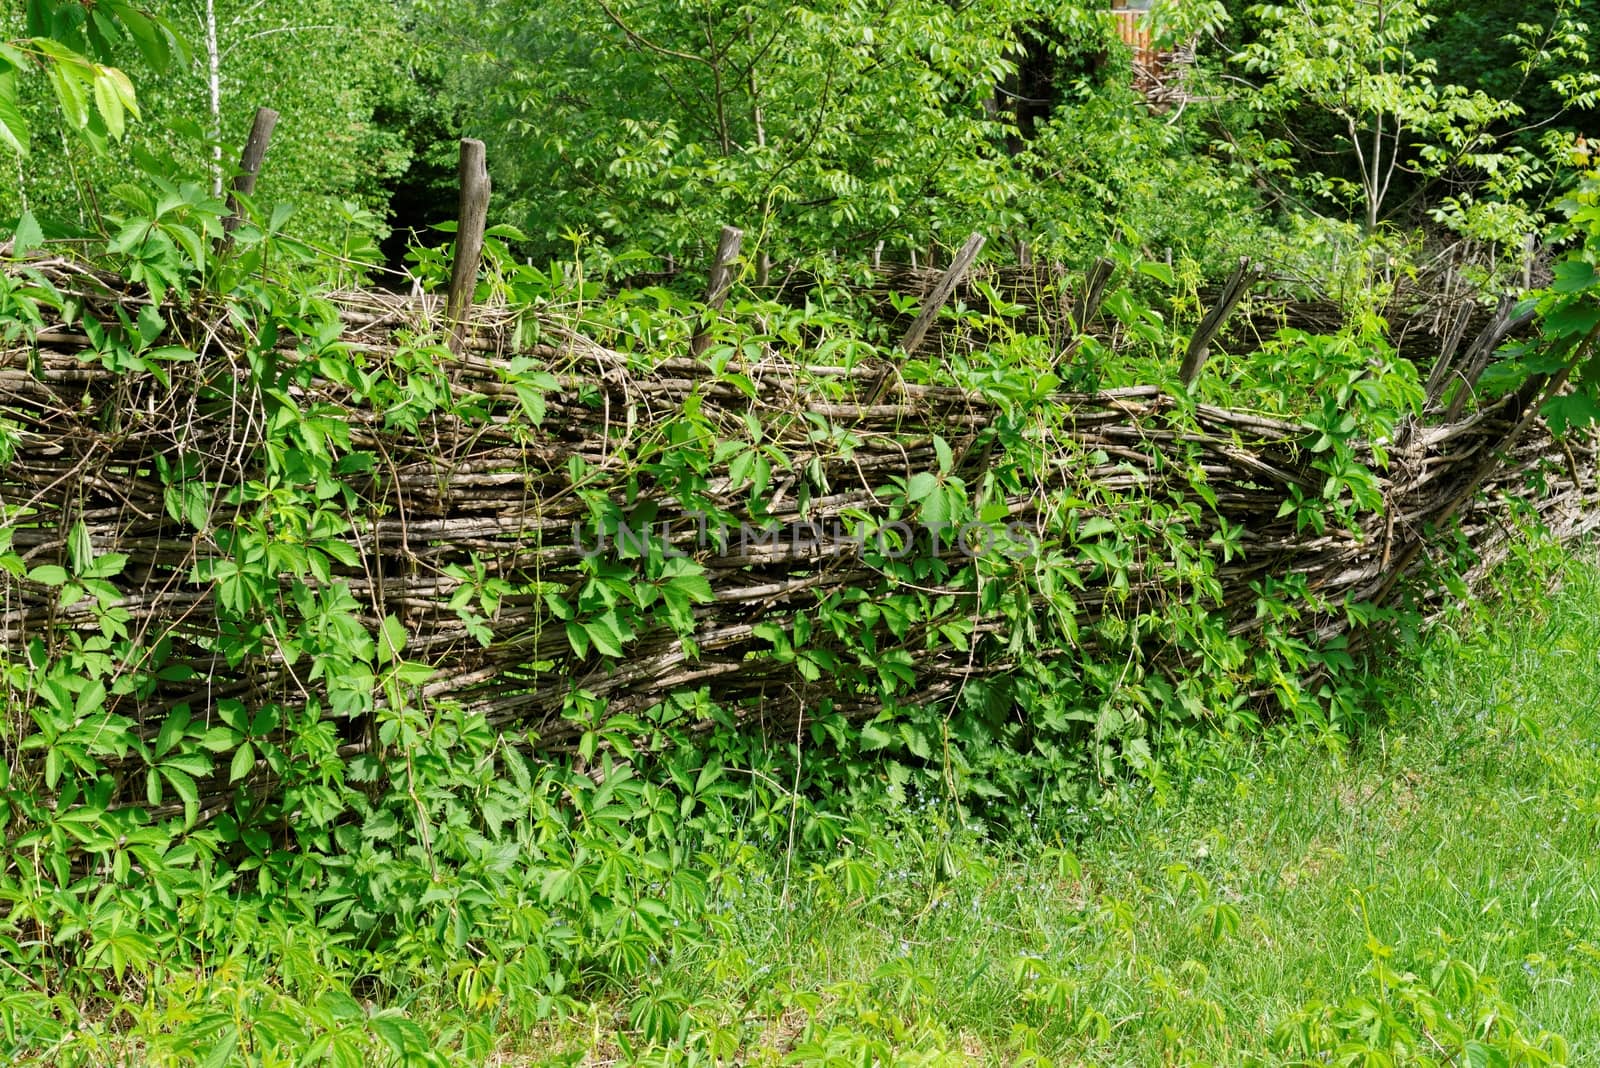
(1429, 895)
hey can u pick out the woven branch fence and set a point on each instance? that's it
(1427, 314)
(491, 489)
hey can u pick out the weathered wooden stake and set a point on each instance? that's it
(930, 312)
(1200, 344)
(1439, 376)
(255, 150)
(1087, 305)
(720, 281)
(941, 293)
(1472, 365)
(471, 220)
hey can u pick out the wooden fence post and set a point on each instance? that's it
(930, 312)
(941, 293)
(1087, 305)
(471, 220)
(1476, 359)
(255, 150)
(1200, 344)
(720, 280)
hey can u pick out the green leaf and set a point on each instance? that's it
(874, 737)
(606, 634)
(222, 1052)
(1570, 411)
(107, 566)
(151, 43)
(28, 236)
(391, 640)
(1572, 320)
(172, 729)
(244, 761)
(1573, 276)
(220, 739)
(1157, 270)
(340, 551)
(398, 1033)
(182, 784)
(48, 575)
(13, 126)
(578, 638)
(922, 486)
(80, 550)
(192, 243)
(67, 81)
(108, 101)
(91, 700)
(1095, 526)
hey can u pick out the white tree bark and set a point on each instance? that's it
(214, 84)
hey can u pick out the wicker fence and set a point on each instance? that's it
(494, 491)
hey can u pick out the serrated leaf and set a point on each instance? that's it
(391, 640)
(108, 101)
(28, 235)
(1573, 320)
(1569, 411)
(921, 486)
(227, 1041)
(578, 638)
(172, 729)
(1573, 276)
(48, 575)
(219, 739)
(873, 737)
(70, 94)
(107, 566)
(244, 761)
(605, 635)
(398, 1033)
(13, 125)
(182, 784)
(340, 551)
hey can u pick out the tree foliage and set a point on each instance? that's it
(813, 128)
(71, 43)
(324, 65)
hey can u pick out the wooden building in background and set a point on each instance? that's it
(1157, 73)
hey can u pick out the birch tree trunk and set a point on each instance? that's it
(214, 84)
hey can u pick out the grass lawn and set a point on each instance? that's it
(1430, 895)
